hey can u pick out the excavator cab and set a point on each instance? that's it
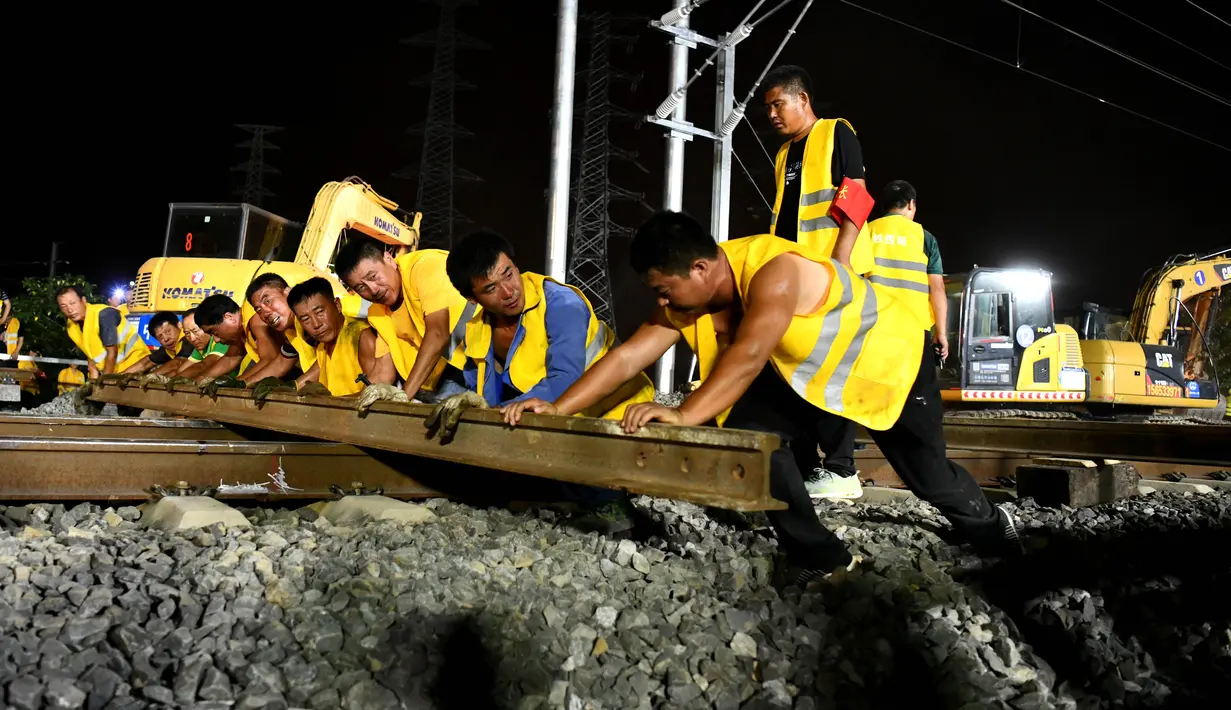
(1005, 344)
(230, 231)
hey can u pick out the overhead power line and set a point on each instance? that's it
(1162, 34)
(1048, 79)
(1122, 55)
(1216, 17)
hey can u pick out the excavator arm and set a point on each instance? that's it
(352, 204)
(1157, 310)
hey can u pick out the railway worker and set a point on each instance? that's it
(119, 299)
(110, 343)
(204, 347)
(907, 260)
(14, 338)
(345, 347)
(534, 338)
(220, 318)
(69, 379)
(415, 310)
(786, 340)
(274, 339)
(6, 307)
(821, 202)
(175, 348)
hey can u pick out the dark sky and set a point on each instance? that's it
(1010, 169)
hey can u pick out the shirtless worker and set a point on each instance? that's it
(274, 338)
(788, 339)
(110, 343)
(219, 317)
(345, 347)
(535, 337)
(820, 160)
(417, 313)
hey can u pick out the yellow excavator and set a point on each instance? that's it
(220, 248)
(1008, 347)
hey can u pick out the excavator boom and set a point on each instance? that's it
(352, 204)
(1157, 307)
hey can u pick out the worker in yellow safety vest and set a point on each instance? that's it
(534, 338)
(69, 379)
(13, 339)
(787, 339)
(345, 346)
(220, 318)
(417, 313)
(174, 349)
(906, 259)
(110, 343)
(819, 173)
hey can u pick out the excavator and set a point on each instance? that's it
(220, 248)
(1009, 348)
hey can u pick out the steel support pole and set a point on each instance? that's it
(561, 141)
(720, 199)
(673, 188)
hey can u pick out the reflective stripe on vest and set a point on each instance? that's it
(816, 228)
(900, 263)
(10, 336)
(856, 356)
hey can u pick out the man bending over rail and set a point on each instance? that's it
(110, 343)
(176, 349)
(345, 347)
(417, 313)
(787, 339)
(533, 339)
(220, 317)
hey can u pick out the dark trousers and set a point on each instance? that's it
(914, 446)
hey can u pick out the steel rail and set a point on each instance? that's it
(23, 425)
(1125, 441)
(54, 468)
(723, 468)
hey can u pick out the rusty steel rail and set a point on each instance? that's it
(54, 468)
(723, 468)
(22, 425)
(1125, 441)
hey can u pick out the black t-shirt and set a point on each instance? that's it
(847, 163)
(108, 324)
(159, 356)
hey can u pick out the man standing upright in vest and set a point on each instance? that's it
(111, 344)
(820, 203)
(906, 258)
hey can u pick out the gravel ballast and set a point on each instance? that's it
(1125, 606)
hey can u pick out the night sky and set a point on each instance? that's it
(1011, 170)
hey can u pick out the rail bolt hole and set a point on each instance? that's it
(684, 465)
(641, 457)
(738, 472)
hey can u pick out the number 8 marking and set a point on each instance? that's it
(188, 242)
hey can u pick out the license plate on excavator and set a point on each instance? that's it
(10, 393)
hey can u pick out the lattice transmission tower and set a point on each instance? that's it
(255, 168)
(592, 189)
(435, 171)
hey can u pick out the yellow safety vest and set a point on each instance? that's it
(69, 379)
(306, 350)
(10, 336)
(816, 228)
(131, 349)
(340, 368)
(901, 263)
(526, 365)
(856, 356)
(30, 386)
(423, 269)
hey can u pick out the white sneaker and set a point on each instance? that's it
(833, 485)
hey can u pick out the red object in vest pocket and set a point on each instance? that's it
(852, 202)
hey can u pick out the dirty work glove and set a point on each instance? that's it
(170, 384)
(268, 385)
(113, 379)
(210, 385)
(314, 389)
(82, 394)
(379, 393)
(447, 413)
(148, 380)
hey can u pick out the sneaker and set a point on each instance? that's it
(804, 578)
(1012, 540)
(830, 484)
(607, 519)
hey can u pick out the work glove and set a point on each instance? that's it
(447, 413)
(148, 380)
(268, 385)
(378, 393)
(119, 380)
(314, 389)
(209, 386)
